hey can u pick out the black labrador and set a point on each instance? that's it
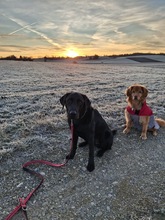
(88, 124)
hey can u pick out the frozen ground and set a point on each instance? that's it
(128, 181)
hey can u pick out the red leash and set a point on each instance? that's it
(22, 202)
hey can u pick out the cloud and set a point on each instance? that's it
(101, 25)
(20, 29)
(29, 27)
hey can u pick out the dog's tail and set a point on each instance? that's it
(160, 122)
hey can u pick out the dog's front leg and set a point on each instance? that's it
(144, 120)
(91, 164)
(128, 122)
(73, 146)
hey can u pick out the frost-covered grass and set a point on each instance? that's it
(30, 92)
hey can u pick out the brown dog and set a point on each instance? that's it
(138, 113)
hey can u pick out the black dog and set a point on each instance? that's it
(88, 124)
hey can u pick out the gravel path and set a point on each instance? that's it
(128, 182)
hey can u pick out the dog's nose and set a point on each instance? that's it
(135, 97)
(72, 114)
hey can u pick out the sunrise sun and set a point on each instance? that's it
(72, 54)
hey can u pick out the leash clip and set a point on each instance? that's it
(23, 204)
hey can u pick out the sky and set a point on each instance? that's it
(37, 28)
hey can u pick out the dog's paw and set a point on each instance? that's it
(83, 144)
(155, 133)
(143, 136)
(126, 131)
(90, 167)
(69, 157)
(100, 153)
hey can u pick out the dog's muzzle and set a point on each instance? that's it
(135, 97)
(72, 114)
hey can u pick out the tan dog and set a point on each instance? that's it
(138, 113)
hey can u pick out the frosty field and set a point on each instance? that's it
(128, 181)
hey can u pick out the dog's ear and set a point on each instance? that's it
(87, 101)
(128, 91)
(145, 91)
(63, 99)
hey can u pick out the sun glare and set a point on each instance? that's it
(72, 54)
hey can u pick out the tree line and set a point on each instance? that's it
(94, 57)
(21, 58)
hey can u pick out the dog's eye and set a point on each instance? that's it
(140, 92)
(80, 102)
(69, 101)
